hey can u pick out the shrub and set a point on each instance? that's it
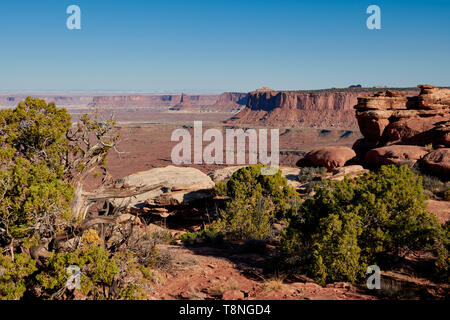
(308, 174)
(256, 201)
(350, 224)
(33, 199)
(208, 233)
(13, 275)
(247, 218)
(248, 182)
(97, 271)
(100, 273)
(431, 183)
(89, 239)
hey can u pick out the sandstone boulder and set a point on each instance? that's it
(414, 130)
(395, 154)
(437, 162)
(432, 97)
(372, 128)
(441, 134)
(223, 174)
(389, 100)
(179, 186)
(328, 157)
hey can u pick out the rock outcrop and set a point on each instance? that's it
(328, 157)
(392, 118)
(180, 186)
(321, 108)
(233, 101)
(396, 129)
(226, 102)
(395, 154)
(184, 104)
(433, 98)
(437, 162)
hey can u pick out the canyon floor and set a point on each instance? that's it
(144, 146)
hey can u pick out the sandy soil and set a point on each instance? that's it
(441, 209)
(212, 273)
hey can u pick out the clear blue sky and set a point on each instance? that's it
(215, 45)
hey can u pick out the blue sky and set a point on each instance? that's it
(215, 45)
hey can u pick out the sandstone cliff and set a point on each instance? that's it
(226, 102)
(233, 101)
(11, 100)
(321, 108)
(185, 102)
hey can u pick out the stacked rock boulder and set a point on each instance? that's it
(397, 128)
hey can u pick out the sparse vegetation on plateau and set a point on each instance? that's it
(309, 174)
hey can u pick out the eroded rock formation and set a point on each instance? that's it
(321, 109)
(225, 102)
(392, 118)
(396, 129)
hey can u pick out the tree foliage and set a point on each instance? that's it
(351, 224)
(13, 275)
(101, 274)
(33, 193)
(44, 161)
(256, 201)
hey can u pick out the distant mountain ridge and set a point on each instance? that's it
(226, 102)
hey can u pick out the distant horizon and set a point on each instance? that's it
(187, 92)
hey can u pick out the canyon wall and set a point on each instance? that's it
(320, 109)
(233, 101)
(11, 100)
(226, 102)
